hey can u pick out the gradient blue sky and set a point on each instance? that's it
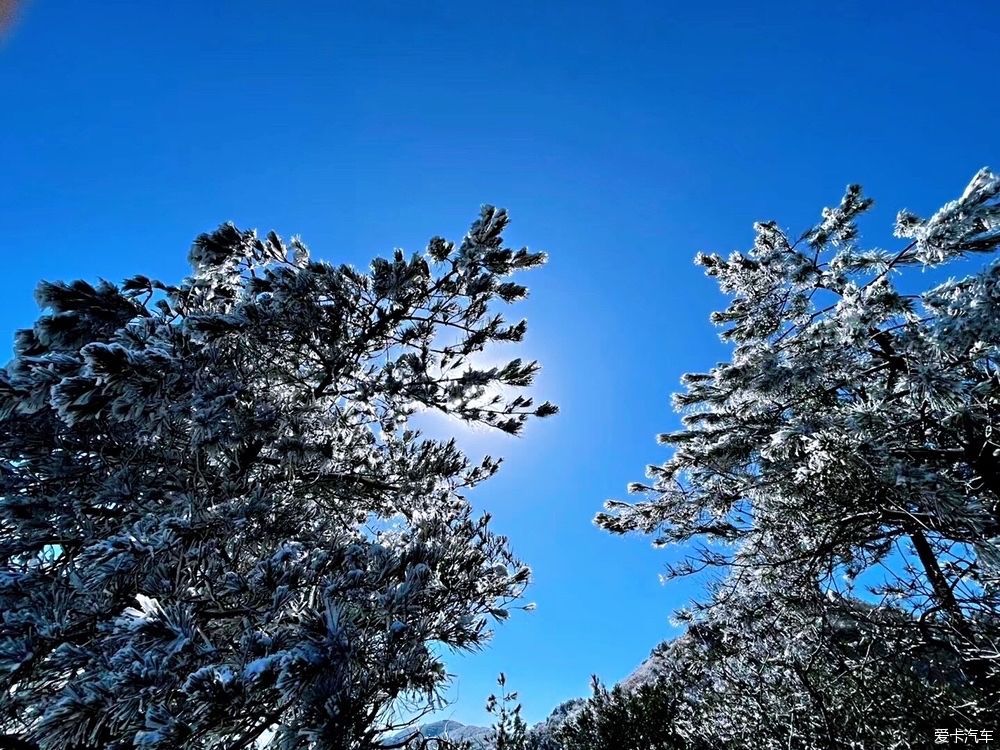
(623, 138)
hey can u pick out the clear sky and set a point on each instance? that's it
(623, 137)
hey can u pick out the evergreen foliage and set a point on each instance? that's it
(842, 471)
(639, 719)
(509, 730)
(216, 523)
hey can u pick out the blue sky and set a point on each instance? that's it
(622, 137)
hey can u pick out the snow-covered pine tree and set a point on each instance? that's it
(854, 433)
(753, 672)
(216, 522)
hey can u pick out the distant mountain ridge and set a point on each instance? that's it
(447, 729)
(479, 737)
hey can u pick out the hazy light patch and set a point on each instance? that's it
(475, 436)
(9, 14)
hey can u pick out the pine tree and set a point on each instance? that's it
(217, 523)
(852, 437)
(510, 732)
(643, 718)
(755, 671)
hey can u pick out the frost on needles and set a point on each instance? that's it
(216, 523)
(841, 474)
